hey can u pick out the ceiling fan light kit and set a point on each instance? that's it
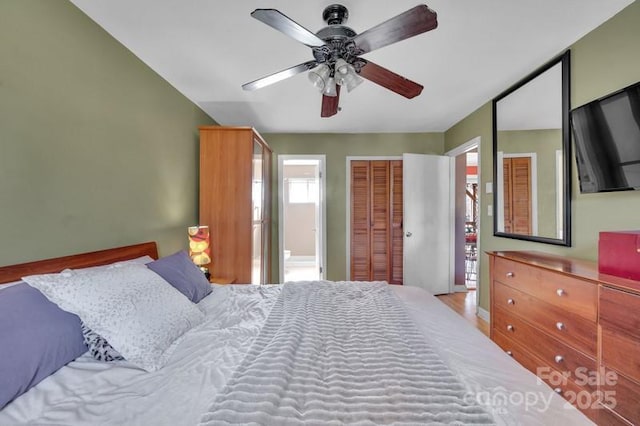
(337, 49)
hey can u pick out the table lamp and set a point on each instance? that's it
(199, 250)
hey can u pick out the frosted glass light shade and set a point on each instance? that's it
(330, 88)
(352, 79)
(319, 76)
(342, 67)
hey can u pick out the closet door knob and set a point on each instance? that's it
(511, 301)
(510, 274)
(408, 234)
(509, 353)
(560, 292)
(559, 359)
(560, 326)
(557, 390)
(510, 327)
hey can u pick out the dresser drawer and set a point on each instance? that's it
(620, 352)
(571, 329)
(583, 399)
(607, 417)
(622, 395)
(620, 310)
(516, 351)
(552, 352)
(570, 294)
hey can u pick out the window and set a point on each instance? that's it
(303, 190)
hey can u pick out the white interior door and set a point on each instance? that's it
(427, 222)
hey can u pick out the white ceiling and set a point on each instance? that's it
(208, 48)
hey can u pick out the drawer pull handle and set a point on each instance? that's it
(558, 390)
(510, 274)
(511, 301)
(560, 326)
(559, 359)
(560, 292)
(509, 353)
(509, 327)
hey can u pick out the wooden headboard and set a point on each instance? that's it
(96, 258)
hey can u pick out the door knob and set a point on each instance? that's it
(408, 234)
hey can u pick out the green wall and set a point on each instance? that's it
(603, 61)
(96, 150)
(337, 147)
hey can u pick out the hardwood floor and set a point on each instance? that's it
(465, 305)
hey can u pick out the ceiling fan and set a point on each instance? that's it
(337, 51)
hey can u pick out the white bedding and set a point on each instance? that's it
(87, 392)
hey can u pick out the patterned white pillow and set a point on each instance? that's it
(133, 308)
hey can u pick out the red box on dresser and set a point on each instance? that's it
(619, 254)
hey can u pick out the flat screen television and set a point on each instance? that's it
(606, 133)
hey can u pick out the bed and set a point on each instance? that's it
(227, 369)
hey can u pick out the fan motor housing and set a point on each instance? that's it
(336, 32)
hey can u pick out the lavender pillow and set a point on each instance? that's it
(183, 274)
(37, 338)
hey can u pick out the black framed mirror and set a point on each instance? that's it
(532, 157)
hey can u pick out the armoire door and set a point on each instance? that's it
(235, 202)
(376, 220)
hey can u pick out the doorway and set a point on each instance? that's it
(471, 221)
(301, 217)
(466, 194)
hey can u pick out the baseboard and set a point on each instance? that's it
(459, 288)
(484, 314)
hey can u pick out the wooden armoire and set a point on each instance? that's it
(376, 221)
(235, 184)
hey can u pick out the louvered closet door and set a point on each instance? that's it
(376, 221)
(396, 215)
(360, 221)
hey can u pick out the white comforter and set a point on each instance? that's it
(87, 392)
(342, 353)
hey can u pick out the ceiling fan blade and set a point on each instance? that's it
(390, 80)
(279, 76)
(414, 21)
(287, 26)
(330, 104)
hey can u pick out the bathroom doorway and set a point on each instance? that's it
(301, 217)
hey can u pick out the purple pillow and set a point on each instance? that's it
(36, 339)
(183, 274)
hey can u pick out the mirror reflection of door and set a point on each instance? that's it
(518, 186)
(517, 195)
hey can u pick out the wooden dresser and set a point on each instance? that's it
(578, 330)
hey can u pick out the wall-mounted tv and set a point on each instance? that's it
(606, 133)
